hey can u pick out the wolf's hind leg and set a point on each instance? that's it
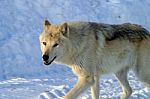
(122, 77)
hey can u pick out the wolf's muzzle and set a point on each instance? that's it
(48, 63)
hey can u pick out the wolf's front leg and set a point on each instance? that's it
(95, 88)
(82, 84)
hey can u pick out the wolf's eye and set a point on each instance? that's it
(44, 43)
(55, 45)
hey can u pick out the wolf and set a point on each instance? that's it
(92, 49)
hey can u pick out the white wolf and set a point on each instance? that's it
(92, 49)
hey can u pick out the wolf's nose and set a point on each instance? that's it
(45, 57)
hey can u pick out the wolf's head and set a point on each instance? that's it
(52, 41)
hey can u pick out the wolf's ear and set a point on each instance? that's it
(64, 29)
(46, 24)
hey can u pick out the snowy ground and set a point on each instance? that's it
(55, 87)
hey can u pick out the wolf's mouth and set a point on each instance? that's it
(48, 63)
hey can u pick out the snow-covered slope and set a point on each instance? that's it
(20, 25)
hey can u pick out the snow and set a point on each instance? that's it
(56, 88)
(22, 74)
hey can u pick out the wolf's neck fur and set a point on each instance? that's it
(80, 41)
